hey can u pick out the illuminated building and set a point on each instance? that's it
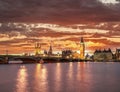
(82, 49)
(117, 54)
(38, 49)
(75, 55)
(100, 55)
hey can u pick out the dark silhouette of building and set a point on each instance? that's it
(45, 52)
(50, 52)
(66, 54)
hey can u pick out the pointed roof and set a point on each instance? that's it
(81, 40)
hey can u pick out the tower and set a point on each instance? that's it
(37, 48)
(50, 50)
(82, 48)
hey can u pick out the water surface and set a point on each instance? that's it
(60, 77)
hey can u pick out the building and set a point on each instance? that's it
(88, 57)
(50, 51)
(75, 55)
(38, 50)
(66, 54)
(45, 52)
(82, 49)
(117, 54)
(103, 55)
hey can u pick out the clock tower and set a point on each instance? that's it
(82, 48)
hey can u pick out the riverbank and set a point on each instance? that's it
(34, 59)
(25, 61)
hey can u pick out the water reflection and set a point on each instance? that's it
(61, 77)
(22, 82)
(40, 83)
(84, 76)
(70, 70)
(82, 72)
(78, 71)
(58, 72)
(58, 77)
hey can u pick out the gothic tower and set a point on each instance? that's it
(82, 48)
(37, 48)
(50, 50)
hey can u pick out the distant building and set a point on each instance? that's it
(117, 54)
(45, 52)
(82, 49)
(88, 57)
(100, 55)
(67, 54)
(50, 52)
(38, 50)
(75, 55)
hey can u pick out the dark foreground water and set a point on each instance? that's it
(60, 77)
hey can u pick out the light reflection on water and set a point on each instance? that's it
(61, 77)
(22, 83)
(70, 70)
(58, 77)
(40, 83)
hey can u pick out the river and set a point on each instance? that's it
(61, 77)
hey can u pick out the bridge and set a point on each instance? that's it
(35, 59)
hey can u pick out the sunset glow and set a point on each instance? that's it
(62, 22)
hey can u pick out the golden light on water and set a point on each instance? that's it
(40, 78)
(58, 75)
(22, 81)
(37, 76)
(70, 71)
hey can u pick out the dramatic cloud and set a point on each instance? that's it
(109, 1)
(24, 36)
(62, 22)
(60, 11)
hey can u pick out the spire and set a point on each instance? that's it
(50, 49)
(39, 45)
(81, 40)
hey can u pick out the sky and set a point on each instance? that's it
(59, 22)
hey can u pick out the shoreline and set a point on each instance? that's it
(47, 62)
(34, 59)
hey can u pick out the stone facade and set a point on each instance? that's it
(103, 55)
(82, 49)
(38, 50)
(117, 54)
